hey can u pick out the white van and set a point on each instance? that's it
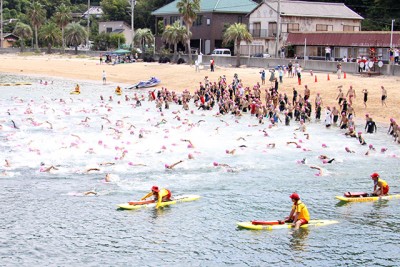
(221, 52)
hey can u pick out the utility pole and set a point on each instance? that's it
(88, 24)
(391, 45)
(133, 3)
(391, 35)
(278, 22)
(1, 18)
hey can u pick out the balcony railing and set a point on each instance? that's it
(262, 33)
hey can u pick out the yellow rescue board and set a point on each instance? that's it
(366, 199)
(178, 199)
(311, 223)
(15, 84)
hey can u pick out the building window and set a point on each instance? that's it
(108, 29)
(239, 19)
(348, 28)
(199, 20)
(208, 22)
(172, 19)
(293, 27)
(256, 29)
(324, 28)
(272, 29)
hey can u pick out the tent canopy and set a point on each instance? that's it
(121, 51)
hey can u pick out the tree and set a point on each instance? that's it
(116, 39)
(188, 9)
(50, 33)
(237, 32)
(37, 15)
(23, 31)
(62, 17)
(102, 41)
(75, 35)
(173, 34)
(115, 9)
(143, 37)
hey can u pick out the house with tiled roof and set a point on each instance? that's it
(271, 18)
(207, 30)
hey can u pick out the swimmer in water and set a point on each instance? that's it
(173, 165)
(91, 169)
(348, 150)
(326, 159)
(221, 164)
(190, 145)
(90, 193)
(7, 163)
(46, 169)
(230, 151)
(107, 179)
(361, 139)
(320, 173)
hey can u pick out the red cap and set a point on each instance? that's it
(295, 196)
(375, 175)
(155, 188)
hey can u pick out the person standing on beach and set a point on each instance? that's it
(339, 70)
(365, 92)
(104, 77)
(351, 93)
(212, 63)
(262, 77)
(384, 96)
(197, 67)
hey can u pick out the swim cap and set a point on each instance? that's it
(215, 163)
(375, 175)
(155, 189)
(371, 146)
(359, 132)
(294, 196)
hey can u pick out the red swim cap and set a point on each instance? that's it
(155, 189)
(295, 196)
(375, 175)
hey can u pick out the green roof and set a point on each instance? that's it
(215, 6)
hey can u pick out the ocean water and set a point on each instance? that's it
(46, 220)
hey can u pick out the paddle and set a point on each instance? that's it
(267, 222)
(142, 202)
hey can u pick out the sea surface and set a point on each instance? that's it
(46, 220)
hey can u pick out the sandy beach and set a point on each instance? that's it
(180, 77)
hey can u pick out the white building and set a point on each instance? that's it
(295, 16)
(117, 27)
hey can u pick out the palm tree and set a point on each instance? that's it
(188, 9)
(75, 35)
(51, 34)
(23, 31)
(173, 34)
(37, 15)
(143, 37)
(62, 17)
(237, 32)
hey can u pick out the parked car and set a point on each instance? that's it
(261, 55)
(221, 52)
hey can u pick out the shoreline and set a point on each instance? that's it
(180, 77)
